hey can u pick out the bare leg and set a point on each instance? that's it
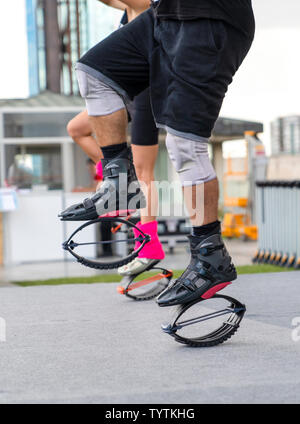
(144, 158)
(79, 128)
(211, 266)
(207, 198)
(110, 129)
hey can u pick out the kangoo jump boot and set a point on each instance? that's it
(119, 192)
(210, 270)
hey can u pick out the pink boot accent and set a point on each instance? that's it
(153, 249)
(214, 290)
(99, 170)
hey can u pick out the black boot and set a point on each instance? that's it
(119, 177)
(210, 265)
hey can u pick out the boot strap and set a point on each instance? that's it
(207, 251)
(88, 204)
(111, 172)
(194, 277)
(114, 168)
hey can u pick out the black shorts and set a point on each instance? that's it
(187, 64)
(143, 129)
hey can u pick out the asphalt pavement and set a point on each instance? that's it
(88, 344)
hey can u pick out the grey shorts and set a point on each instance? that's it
(100, 98)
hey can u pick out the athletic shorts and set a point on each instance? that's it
(188, 66)
(143, 128)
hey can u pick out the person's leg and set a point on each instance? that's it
(144, 158)
(144, 143)
(198, 178)
(80, 130)
(111, 129)
(206, 194)
(188, 108)
(210, 263)
(110, 74)
(201, 67)
(106, 110)
(120, 63)
(119, 190)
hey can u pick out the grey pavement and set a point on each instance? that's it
(88, 344)
(242, 253)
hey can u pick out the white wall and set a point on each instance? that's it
(33, 232)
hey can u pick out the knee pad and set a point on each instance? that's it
(190, 159)
(99, 97)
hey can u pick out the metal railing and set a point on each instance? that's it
(278, 219)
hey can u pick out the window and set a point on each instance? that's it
(41, 46)
(30, 166)
(48, 124)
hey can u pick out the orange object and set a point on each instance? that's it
(284, 259)
(115, 229)
(278, 258)
(142, 283)
(121, 290)
(239, 202)
(237, 223)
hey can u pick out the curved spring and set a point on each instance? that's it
(70, 245)
(151, 286)
(234, 313)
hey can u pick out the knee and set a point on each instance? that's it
(74, 130)
(143, 173)
(190, 159)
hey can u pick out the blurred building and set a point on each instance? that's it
(49, 36)
(284, 163)
(285, 135)
(66, 30)
(37, 156)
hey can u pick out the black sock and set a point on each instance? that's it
(112, 151)
(204, 230)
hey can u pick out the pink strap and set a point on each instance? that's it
(99, 170)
